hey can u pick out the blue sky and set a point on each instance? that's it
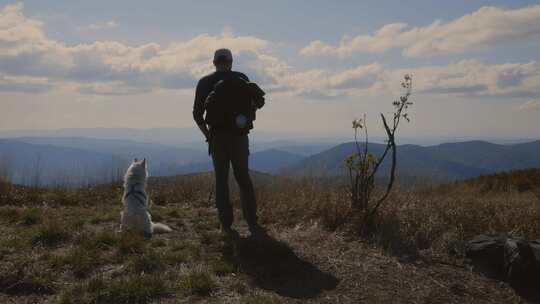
(475, 64)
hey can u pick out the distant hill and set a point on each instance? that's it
(190, 137)
(306, 149)
(515, 180)
(490, 157)
(273, 160)
(166, 136)
(80, 160)
(441, 162)
(47, 165)
(267, 161)
(162, 157)
(298, 147)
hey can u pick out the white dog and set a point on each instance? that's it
(135, 216)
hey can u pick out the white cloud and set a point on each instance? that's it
(16, 29)
(25, 50)
(484, 28)
(470, 78)
(32, 62)
(104, 25)
(110, 88)
(321, 83)
(530, 105)
(473, 78)
(24, 84)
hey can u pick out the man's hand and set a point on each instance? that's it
(205, 131)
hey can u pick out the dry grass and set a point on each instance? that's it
(67, 242)
(436, 220)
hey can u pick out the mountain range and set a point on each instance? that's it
(48, 165)
(80, 160)
(443, 162)
(77, 160)
(185, 138)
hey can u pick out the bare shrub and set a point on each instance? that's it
(363, 166)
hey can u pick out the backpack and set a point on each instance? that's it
(232, 104)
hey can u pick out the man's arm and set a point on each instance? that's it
(204, 129)
(198, 108)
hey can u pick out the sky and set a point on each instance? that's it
(134, 64)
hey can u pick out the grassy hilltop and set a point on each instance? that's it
(61, 246)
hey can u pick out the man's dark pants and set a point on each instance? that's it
(231, 149)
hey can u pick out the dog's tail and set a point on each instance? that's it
(160, 228)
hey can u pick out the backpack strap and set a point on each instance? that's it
(134, 192)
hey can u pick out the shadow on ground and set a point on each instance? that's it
(273, 265)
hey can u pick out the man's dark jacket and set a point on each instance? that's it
(208, 83)
(205, 86)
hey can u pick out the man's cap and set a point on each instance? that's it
(223, 55)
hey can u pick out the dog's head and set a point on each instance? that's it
(137, 172)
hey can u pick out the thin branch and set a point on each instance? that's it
(390, 135)
(358, 150)
(391, 182)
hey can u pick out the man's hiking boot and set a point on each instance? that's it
(230, 233)
(258, 231)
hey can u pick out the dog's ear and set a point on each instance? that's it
(144, 162)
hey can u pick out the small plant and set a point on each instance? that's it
(364, 165)
(9, 214)
(146, 263)
(74, 295)
(84, 292)
(132, 289)
(102, 240)
(238, 286)
(199, 283)
(131, 243)
(210, 238)
(156, 243)
(174, 213)
(188, 249)
(50, 234)
(261, 299)
(31, 216)
(103, 218)
(27, 285)
(175, 257)
(81, 261)
(221, 267)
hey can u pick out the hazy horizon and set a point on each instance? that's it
(191, 136)
(475, 65)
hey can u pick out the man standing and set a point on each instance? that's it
(228, 143)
